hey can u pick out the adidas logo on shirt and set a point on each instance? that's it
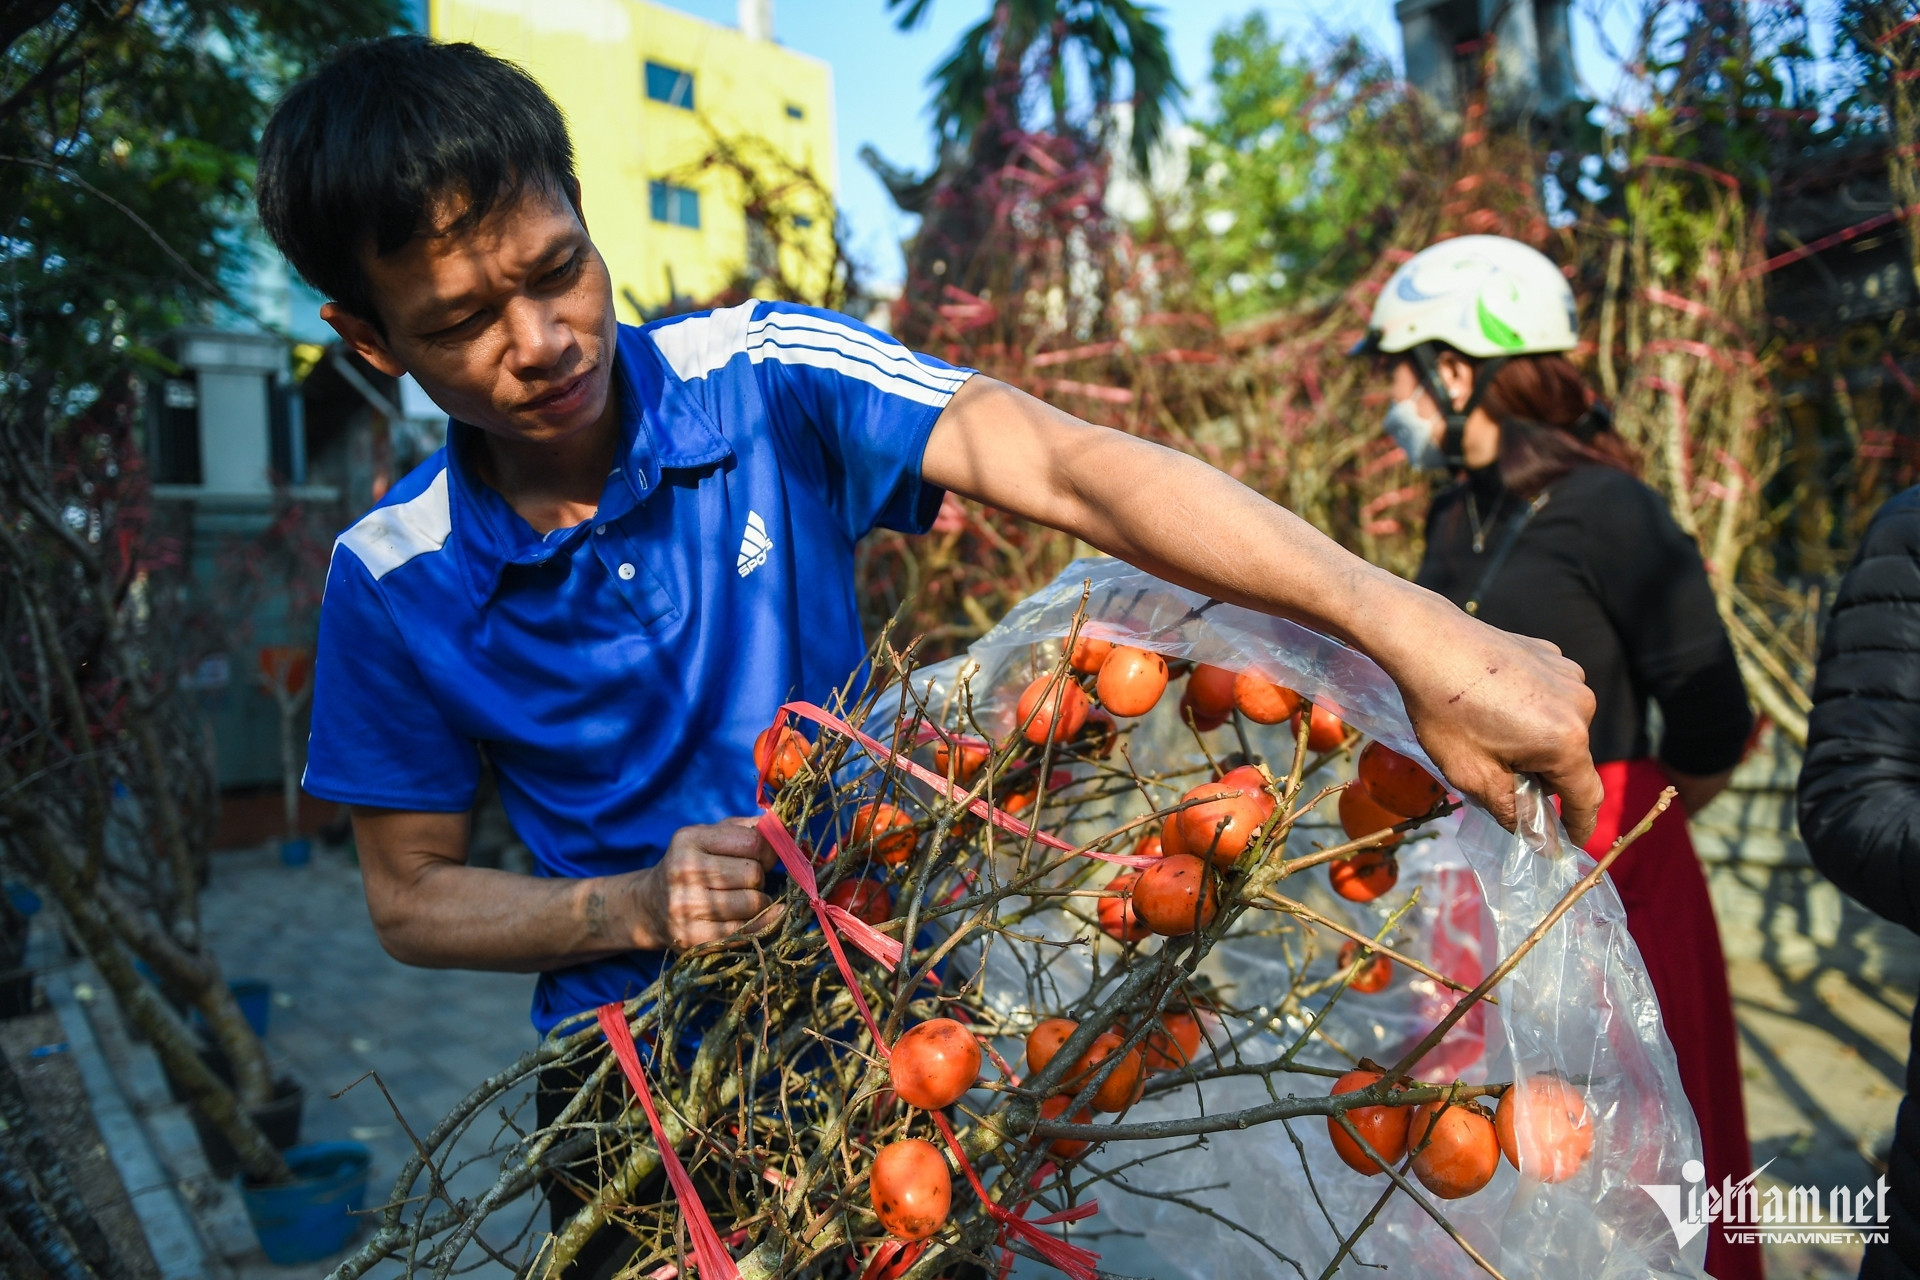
(754, 544)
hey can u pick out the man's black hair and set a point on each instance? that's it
(357, 154)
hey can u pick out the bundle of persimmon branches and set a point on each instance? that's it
(855, 1086)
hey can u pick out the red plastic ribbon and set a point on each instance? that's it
(1072, 1260)
(892, 1259)
(978, 806)
(832, 919)
(708, 1253)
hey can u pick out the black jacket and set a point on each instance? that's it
(1600, 569)
(1860, 791)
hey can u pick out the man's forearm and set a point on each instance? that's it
(459, 917)
(1176, 517)
(431, 909)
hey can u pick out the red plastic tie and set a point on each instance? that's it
(1072, 1260)
(892, 1259)
(781, 839)
(977, 806)
(857, 931)
(708, 1253)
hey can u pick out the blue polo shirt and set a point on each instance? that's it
(616, 672)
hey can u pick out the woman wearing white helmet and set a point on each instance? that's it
(1547, 532)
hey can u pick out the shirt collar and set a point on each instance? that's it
(663, 428)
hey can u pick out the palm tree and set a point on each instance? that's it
(1073, 56)
(1054, 42)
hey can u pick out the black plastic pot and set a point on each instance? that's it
(279, 1120)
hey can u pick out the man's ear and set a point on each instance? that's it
(366, 341)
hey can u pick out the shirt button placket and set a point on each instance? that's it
(626, 572)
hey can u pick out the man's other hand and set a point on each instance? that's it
(1488, 705)
(706, 886)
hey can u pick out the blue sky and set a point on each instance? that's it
(880, 75)
(880, 80)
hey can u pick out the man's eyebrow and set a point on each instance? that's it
(440, 312)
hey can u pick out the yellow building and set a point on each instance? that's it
(705, 153)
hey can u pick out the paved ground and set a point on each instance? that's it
(342, 1007)
(41, 1057)
(1823, 994)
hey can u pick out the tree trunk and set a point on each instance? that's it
(203, 985)
(176, 1049)
(37, 1229)
(143, 1005)
(1902, 52)
(58, 1193)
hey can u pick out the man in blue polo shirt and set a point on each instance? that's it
(638, 542)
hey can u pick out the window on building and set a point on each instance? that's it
(670, 85)
(173, 442)
(795, 112)
(679, 206)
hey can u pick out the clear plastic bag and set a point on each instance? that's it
(1579, 1006)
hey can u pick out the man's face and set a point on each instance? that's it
(508, 324)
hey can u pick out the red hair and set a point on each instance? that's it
(1549, 423)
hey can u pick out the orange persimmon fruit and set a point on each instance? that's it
(1397, 783)
(1045, 1040)
(972, 755)
(1121, 1088)
(912, 1190)
(863, 899)
(890, 829)
(1545, 1128)
(1456, 1149)
(1131, 680)
(1384, 1128)
(1325, 730)
(779, 753)
(1088, 654)
(1229, 814)
(1374, 973)
(1173, 1044)
(1118, 920)
(1050, 707)
(1055, 1107)
(1364, 876)
(1362, 815)
(934, 1064)
(1261, 700)
(1210, 692)
(1176, 896)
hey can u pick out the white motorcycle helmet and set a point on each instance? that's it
(1486, 297)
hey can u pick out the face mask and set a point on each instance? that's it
(1414, 434)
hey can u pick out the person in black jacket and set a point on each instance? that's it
(1860, 793)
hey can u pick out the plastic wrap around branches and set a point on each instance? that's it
(1578, 1006)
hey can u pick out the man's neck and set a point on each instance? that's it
(553, 485)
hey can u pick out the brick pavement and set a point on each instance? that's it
(343, 1007)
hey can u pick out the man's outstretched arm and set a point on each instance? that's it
(1486, 704)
